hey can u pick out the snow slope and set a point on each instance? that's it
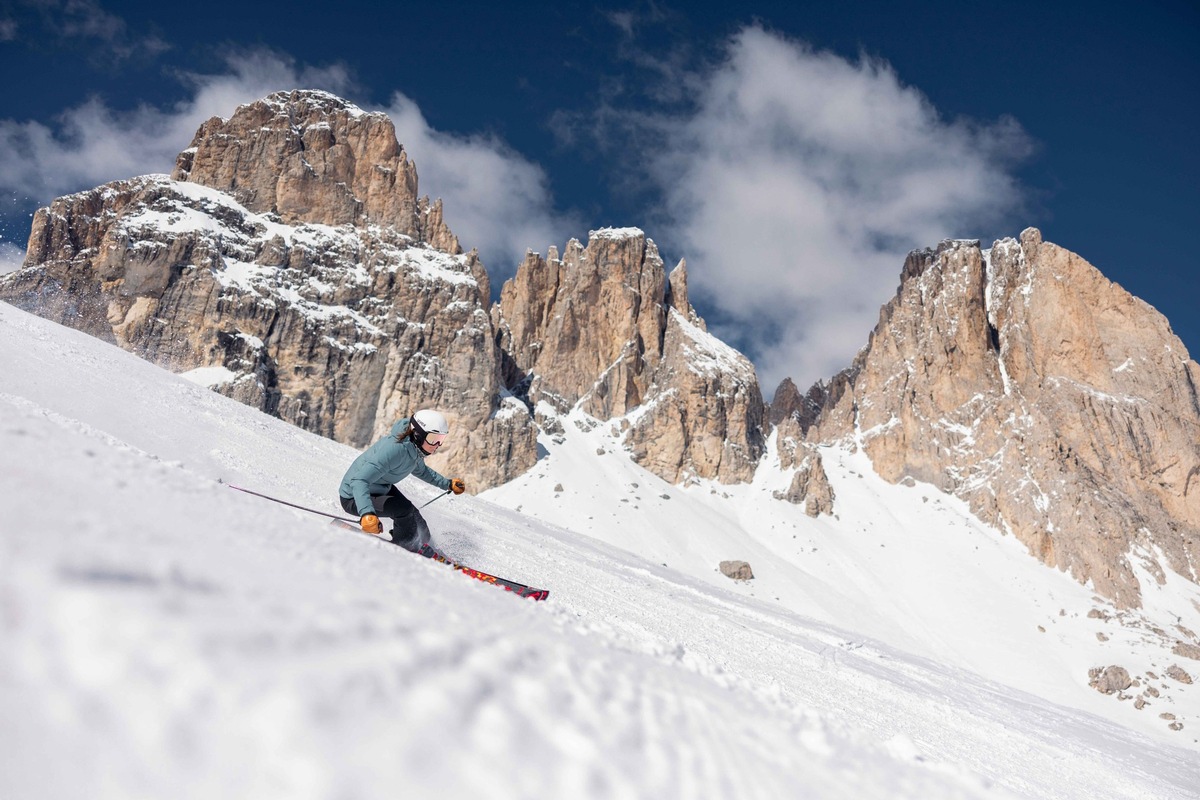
(909, 566)
(164, 636)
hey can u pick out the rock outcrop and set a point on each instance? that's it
(1063, 409)
(1109, 680)
(787, 402)
(810, 485)
(603, 329)
(588, 326)
(311, 157)
(737, 570)
(1178, 673)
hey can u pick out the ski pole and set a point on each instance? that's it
(439, 497)
(293, 505)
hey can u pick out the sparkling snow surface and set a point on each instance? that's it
(162, 635)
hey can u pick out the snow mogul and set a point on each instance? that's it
(368, 489)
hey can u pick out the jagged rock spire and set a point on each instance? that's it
(603, 329)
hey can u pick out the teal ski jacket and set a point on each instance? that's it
(385, 463)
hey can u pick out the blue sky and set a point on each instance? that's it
(792, 153)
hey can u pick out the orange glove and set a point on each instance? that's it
(371, 524)
(457, 486)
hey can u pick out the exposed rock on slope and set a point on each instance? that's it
(810, 485)
(1063, 409)
(704, 415)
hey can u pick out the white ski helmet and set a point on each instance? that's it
(428, 421)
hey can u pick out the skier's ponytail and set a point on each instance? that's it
(404, 434)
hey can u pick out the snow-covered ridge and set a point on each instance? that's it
(706, 354)
(284, 101)
(906, 563)
(616, 233)
(187, 207)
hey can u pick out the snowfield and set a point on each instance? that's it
(164, 636)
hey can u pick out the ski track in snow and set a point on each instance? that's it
(164, 636)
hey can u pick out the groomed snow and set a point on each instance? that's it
(162, 635)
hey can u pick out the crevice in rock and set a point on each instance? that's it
(993, 338)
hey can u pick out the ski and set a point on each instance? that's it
(519, 589)
(432, 553)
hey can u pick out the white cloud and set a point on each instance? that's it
(93, 143)
(494, 198)
(85, 19)
(85, 23)
(798, 182)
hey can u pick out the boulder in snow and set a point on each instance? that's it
(738, 570)
(1177, 672)
(1110, 679)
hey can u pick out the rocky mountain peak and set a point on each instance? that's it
(603, 330)
(589, 326)
(1062, 408)
(787, 402)
(290, 257)
(311, 157)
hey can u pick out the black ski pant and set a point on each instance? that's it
(408, 526)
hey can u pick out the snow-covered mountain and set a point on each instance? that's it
(163, 635)
(290, 257)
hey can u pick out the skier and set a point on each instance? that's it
(368, 489)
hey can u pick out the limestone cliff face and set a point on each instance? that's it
(1062, 408)
(336, 299)
(704, 416)
(588, 326)
(311, 157)
(603, 329)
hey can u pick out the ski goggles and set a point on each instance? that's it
(435, 439)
